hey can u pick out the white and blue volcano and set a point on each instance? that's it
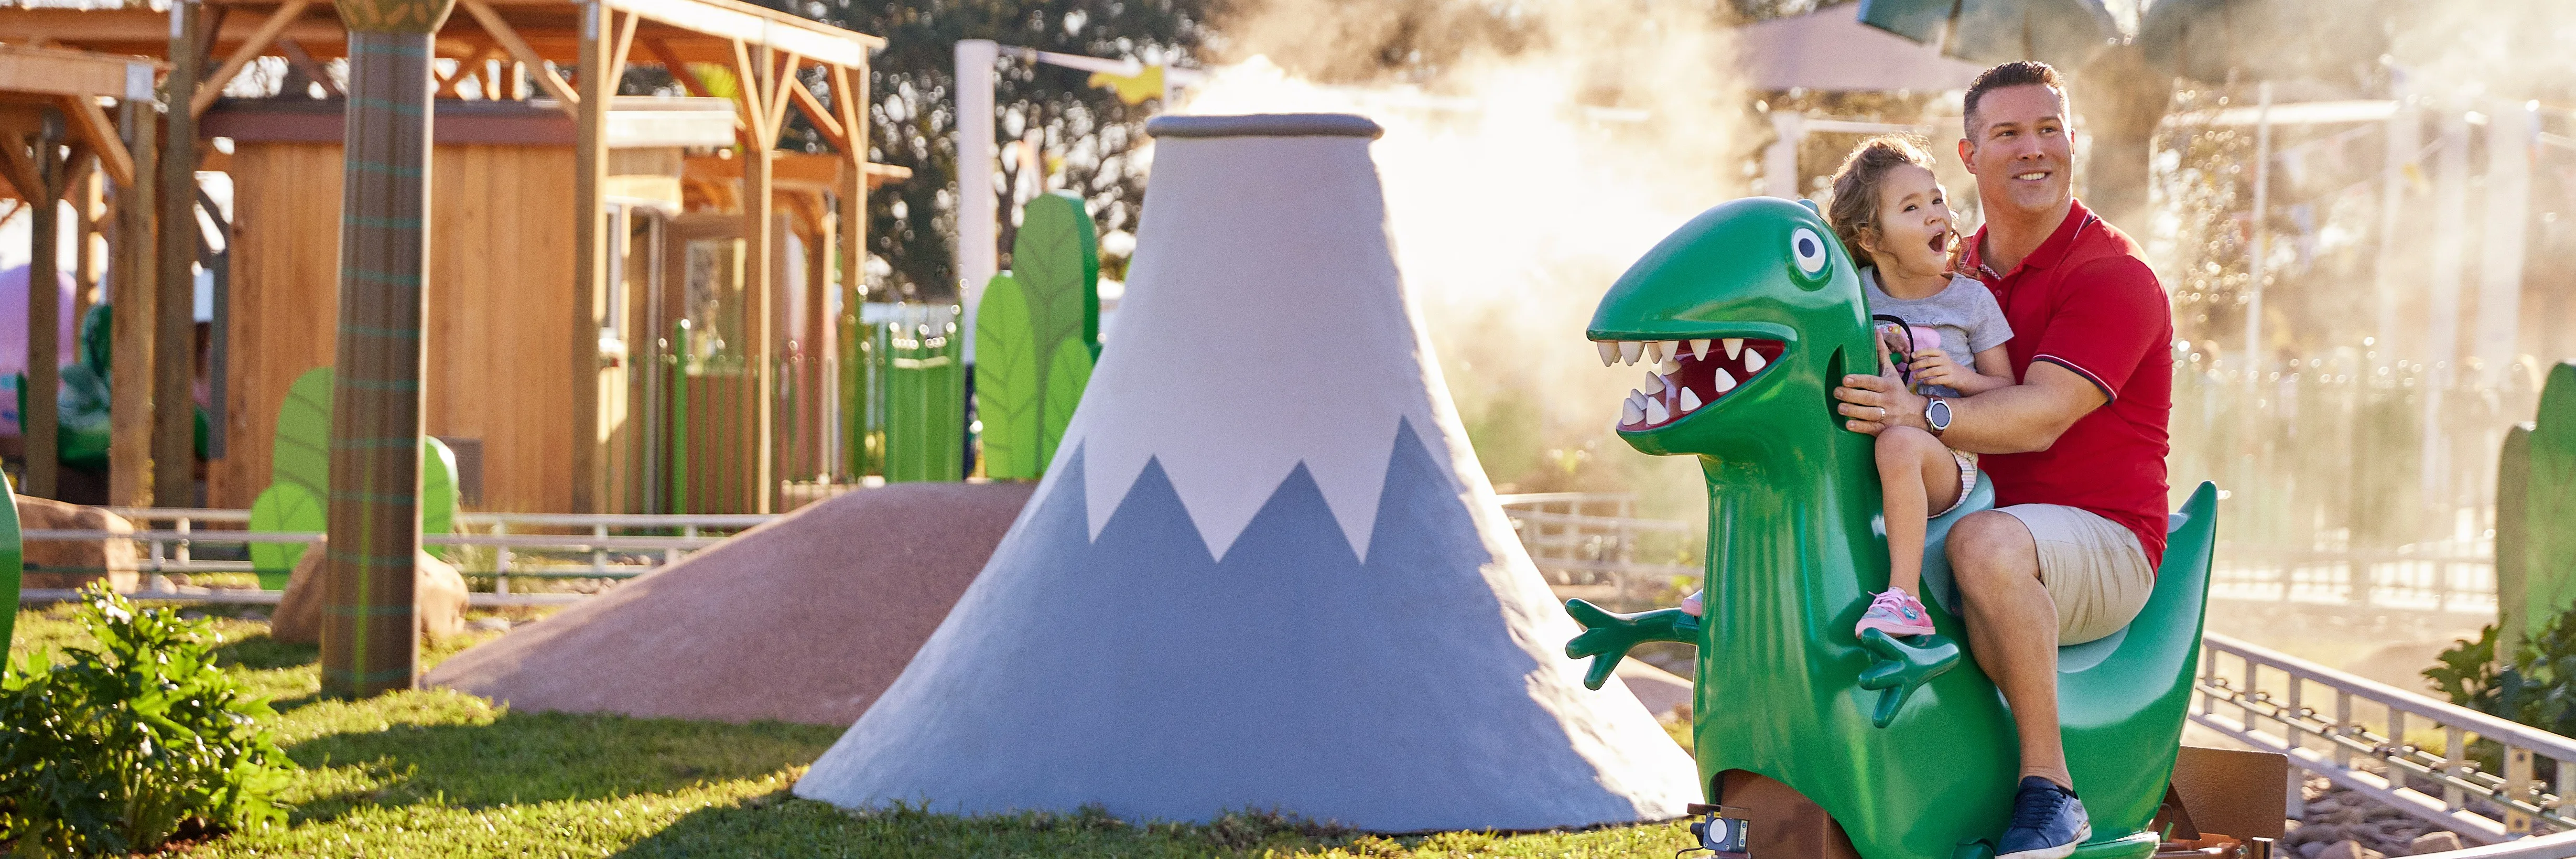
(1264, 570)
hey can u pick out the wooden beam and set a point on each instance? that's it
(748, 96)
(679, 70)
(91, 123)
(590, 260)
(625, 43)
(87, 201)
(552, 83)
(56, 71)
(760, 247)
(748, 23)
(131, 288)
(782, 77)
(305, 63)
(17, 159)
(248, 51)
(41, 420)
(174, 449)
(850, 98)
(815, 113)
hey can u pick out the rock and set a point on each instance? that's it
(2314, 833)
(439, 591)
(2346, 849)
(2310, 849)
(73, 564)
(489, 624)
(2435, 842)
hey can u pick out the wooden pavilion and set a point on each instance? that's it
(573, 232)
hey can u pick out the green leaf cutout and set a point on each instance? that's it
(1056, 258)
(438, 496)
(282, 507)
(302, 453)
(1066, 377)
(2549, 514)
(1007, 384)
(13, 559)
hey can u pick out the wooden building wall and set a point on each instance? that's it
(500, 309)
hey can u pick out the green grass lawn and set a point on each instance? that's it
(444, 774)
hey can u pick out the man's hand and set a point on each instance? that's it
(1874, 403)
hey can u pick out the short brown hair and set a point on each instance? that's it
(1855, 206)
(2012, 74)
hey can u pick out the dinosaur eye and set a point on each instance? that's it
(1809, 250)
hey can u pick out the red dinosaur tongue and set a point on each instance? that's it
(1684, 376)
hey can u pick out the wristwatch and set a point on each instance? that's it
(1936, 414)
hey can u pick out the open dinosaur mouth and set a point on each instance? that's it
(1684, 376)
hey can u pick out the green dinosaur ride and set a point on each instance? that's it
(1752, 313)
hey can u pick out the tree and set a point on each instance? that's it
(1088, 137)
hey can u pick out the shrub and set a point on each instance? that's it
(117, 748)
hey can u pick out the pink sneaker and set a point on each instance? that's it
(1691, 603)
(1895, 613)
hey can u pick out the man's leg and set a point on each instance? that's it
(2012, 629)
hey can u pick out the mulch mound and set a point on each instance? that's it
(805, 619)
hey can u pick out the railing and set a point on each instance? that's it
(2449, 576)
(1591, 544)
(608, 556)
(2376, 739)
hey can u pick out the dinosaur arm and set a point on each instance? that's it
(1608, 635)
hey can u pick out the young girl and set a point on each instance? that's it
(1890, 212)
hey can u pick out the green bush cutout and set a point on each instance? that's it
(1026, 383)
(282, 508)
(113, 751)
(1066, 377)
(1008, 387)
(2547, 542)
(13, 560)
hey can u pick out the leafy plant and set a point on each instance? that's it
(116, 749)
(1067, 376)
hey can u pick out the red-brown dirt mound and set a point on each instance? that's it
(805, 619)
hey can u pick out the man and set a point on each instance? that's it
(2076, 450)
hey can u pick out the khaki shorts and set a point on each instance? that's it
(2094, 569)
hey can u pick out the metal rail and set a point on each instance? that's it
(2271, 701)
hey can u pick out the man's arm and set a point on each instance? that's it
(2016, 419)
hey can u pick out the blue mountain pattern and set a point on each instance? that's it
(1140, 672)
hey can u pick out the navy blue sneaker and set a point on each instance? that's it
(2047, 822)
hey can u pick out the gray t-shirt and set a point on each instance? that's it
(1963, 312)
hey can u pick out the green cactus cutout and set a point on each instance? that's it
(302, 453)
(1056, 258)
(282, 507)
(13, 558)
(1008, 387)
(2548, 542)
(1066, 377)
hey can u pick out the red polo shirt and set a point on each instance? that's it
(2086, 301)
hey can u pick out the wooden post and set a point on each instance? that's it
(371, 626)
(590, 264)
(759, 246)
(174, 449)
(39, 419)
(850, 100)
(133, 285)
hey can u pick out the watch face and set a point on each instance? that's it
(1938, 415)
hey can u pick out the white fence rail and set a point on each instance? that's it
(2489, 779)
(523, 546)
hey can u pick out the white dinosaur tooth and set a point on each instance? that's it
(1690, 399)
(1672, 348)
(1636, 400)
(1654, 351)
(1699, 348)
(1628, 350)
(1609, 351)
(1724, 381)
(1654, 384)
(1753, 363)
(1734, 346)
(1672, 364)
(1629, 413)
(1656, 413)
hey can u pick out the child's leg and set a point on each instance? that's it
(1917, 475)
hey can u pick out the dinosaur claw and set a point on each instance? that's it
(1902, 668)
(1607, 636)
